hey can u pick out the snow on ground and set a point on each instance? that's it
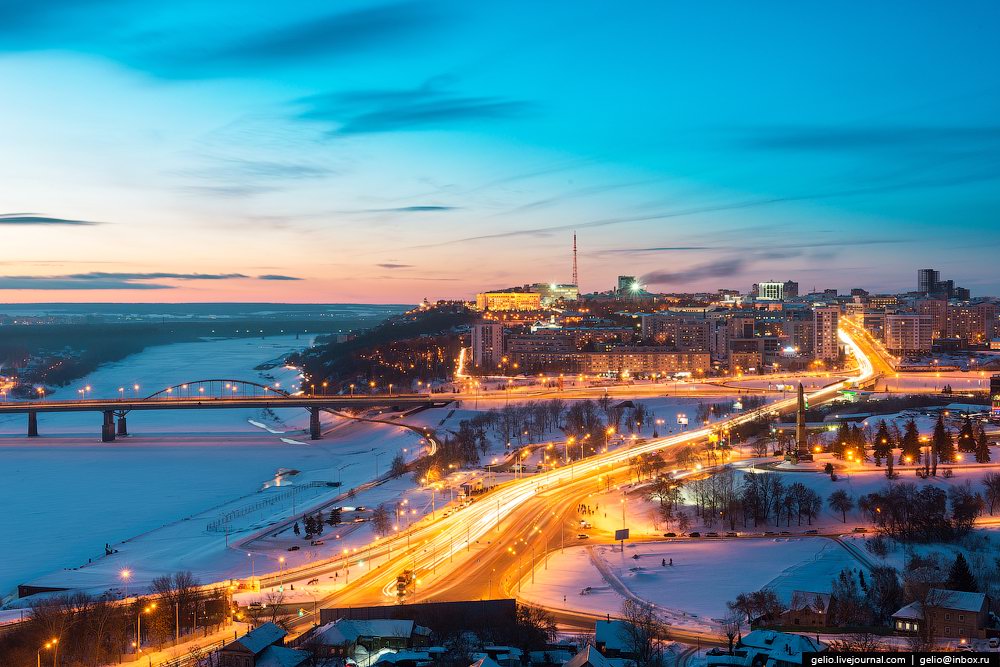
(705, 574)
(69, 494)
(935, 381)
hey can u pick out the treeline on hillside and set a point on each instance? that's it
(418, 344)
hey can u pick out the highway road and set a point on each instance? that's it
(482, 550)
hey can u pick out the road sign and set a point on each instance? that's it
(621, 534)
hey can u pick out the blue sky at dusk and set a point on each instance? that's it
(363, 151)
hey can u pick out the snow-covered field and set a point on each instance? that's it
(705, 574)
(67, 494)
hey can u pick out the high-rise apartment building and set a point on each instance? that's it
(487, 344)
(826, 344)
(927, 280)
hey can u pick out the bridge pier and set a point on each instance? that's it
(314, 426)
(122, 425)
(32, 424)
(108, 428)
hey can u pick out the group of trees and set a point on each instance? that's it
(942, 447)
(928, 514)
(99, 630)
(314, 523)
(585, 424)
(757, 500)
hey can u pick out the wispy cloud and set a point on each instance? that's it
(389, 265)
(872, 137)
(242, 177)
(718, 269)
(430, 106)
(100, 275)
(770, 247)
(340, 34)
(36, 219)
(102, 280)
(55, 283)
(412, 209)
(276, 276)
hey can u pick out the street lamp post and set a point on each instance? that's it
(125, 575)
(51, 644)
(138, 625)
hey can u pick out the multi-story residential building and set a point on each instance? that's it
(508, 301)
(487, 344)
(938, 310)
(975, 323)
(908, 333)
(680, 331)
(640, 360)
(826, 343)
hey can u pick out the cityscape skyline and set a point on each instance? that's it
(387, 152)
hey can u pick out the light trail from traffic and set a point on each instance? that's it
(447, 556)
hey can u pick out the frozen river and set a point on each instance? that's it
(65, 494)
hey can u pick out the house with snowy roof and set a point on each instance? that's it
(261, 647)
(589, 657)
(947, 613)
(360, 641)
(766, 648)
(612, 639)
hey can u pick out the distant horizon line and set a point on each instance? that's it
(202, 303)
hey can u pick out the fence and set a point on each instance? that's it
(222, 523)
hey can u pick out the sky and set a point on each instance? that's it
(388, 151)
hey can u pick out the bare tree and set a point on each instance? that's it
(643, 633)
(731, 624)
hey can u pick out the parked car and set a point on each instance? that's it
(670, 534)
(694, 534)
(732, 534)
(785, 532)
(583, 536)
(712, 534)
(812, 532)
(295, 548)
(859, 529)
(769, 533)
(317, 543)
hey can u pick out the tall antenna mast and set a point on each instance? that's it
(575, 277)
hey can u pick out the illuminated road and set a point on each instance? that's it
(483, 549)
